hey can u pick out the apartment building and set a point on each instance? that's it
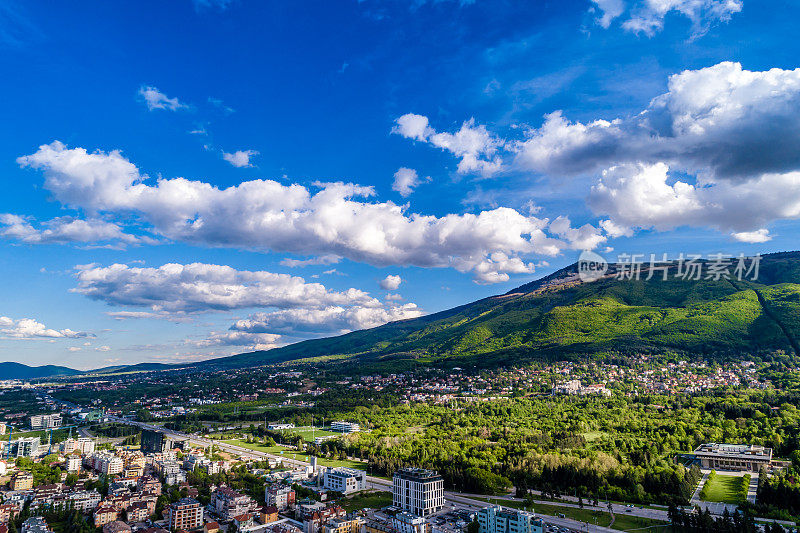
(279, 496)
(494, 519)
(22, 481)
(418, 491)
(226, 503)
(84, 445)
(344, 480)
(185, 514)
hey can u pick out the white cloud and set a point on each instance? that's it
(240, 158)
(328, 320)
(102, 349)
(328, 259)
(198, 287)
(406, 180)
(267, 215)
(720, 122)
(647, 16)
(62, 230)
(155, 99)
(757, 236)
(476, 147)
(587, 237)
(645, 196)
(28, 328)
(253, 341)
(390, 283)
(74, 348)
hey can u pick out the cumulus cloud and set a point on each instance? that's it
(267, 215)
(645, 196)
(198, 287)
(28, 328)
(720, 122)
(474, 145)
(240, 158)
(155, 99)
(406, 180)
(390, 283)
(328, 320)
(587, 237)
(254, 341)
(62, 230)
(647, 16)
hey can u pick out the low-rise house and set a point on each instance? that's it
(211, 527)
(268, 514)
(116, 526)
(104, 514)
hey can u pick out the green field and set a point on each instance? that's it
(286, 452)
(722, 489)
(308, 434)
(373, 500)
(623, 522)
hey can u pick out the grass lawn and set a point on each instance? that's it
(723, 489)
(623, 522)
(373, 500)
(308, 434)
(286, 452)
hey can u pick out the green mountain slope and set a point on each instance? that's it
(9, 370)
(560, 317)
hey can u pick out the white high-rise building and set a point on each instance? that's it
(418, 491)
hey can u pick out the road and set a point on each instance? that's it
(452, 498)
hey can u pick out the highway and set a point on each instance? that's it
(452, 499)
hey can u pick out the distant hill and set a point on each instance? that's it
(559, 316)
(19, 371)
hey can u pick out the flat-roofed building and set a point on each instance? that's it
(344, 480)
(738, 457)
(345, 427)
(186, 514)
(51, 421)
(495, 519)
(418, 491)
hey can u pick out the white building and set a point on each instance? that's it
(275, 426)
(73, 463)
(46, 421)
(345, 427)
(418, 491)
(493, 519)
(344, 480)
(405, 522)
(83, 445)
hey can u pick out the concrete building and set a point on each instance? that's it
(73, 463)
(493, 519)
(23, 447)
(350, 524)
(117, 526)
(276, 426)
(738, 457)
(405, 522)
(185, 514)
(51, 421)
(22, 481)
(226, 503)
(345, 427)
(279, 496)
(84, 500)
(344, 480)
(418, 491)
(84, 445)
(104, 514)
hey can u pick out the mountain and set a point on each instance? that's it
(560, 316)
(19, 371)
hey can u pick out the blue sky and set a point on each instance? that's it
(187, 180)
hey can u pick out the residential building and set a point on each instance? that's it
(494, 519)
(84, 445)
(418, 490)
(280, 496)
(104, 514)
(315, 517)
(268, 514)
(8, 512)
(149, 484)
(51, 421)
(738, 457)
(211, 527)
(344, 480)
(405, 522)
(22, 481)
(244, 523)
(169, 471)
(353, 524)
(345, 427)
(137, 512)
(157, 442)
(84, 500)
(226, 503)
(73, 463)
(186, 514)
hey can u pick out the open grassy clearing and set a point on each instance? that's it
(723, 489)
(288, 453)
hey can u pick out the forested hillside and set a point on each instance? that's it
(561, 317)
